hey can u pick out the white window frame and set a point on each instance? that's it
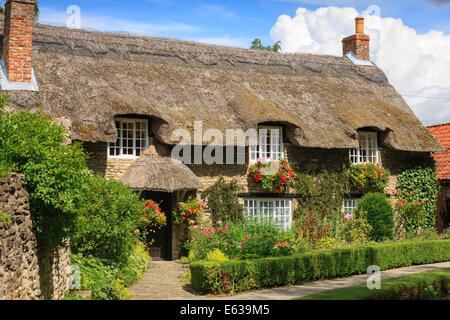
(349, 206)
(120, 139)
(368, 149)
(276, 145)
(260, 208)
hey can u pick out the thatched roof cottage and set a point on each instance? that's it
(125, 95)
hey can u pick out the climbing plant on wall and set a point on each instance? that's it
(422, 182)
(322, 193)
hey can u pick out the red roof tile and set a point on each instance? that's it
(442, 133)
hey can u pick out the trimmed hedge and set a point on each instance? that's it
(238, 276)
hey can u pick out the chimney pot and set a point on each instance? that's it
(359, 25)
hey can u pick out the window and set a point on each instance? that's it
(350, 206)
(277, 210)
(270, 145)
(132, 141)
(368, 149)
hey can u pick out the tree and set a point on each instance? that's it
(257, 45)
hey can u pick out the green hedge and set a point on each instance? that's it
(239, 276)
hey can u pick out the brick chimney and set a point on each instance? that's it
(17, 40)
(359, 43)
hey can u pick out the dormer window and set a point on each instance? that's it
(368, 149)
(270, 144)
(132, 139)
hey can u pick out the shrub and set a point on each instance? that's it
(313, 228)
(237, 276)
(244, 240)
(423, 183)
(411, 212)
(137, 264)
(101, 278)
(379, 215)
(108, 280)
(107, 219)
(222, 200)
(356, 229)
(216, 255)
(369, 177)
(31, 143)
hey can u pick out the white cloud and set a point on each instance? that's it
(416, 64)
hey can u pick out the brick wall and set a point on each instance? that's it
(17, 39)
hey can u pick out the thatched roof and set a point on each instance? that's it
(90, 77)
(156, 170)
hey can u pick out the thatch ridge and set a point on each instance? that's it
(89, 77)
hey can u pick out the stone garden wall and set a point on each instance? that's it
(27, 271)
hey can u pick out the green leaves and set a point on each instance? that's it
(423, 183)
(223, 201)
(369, 177)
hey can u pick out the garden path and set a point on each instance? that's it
(162, 282)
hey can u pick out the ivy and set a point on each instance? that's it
(223, 201)
(421, 181)
(322, 193)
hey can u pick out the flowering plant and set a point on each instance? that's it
(356, 229)
(369, 177)
(283, 248)
(273, 177)
(411, 210)
(189, 211)
(152, 216)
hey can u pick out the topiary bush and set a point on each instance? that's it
(379, 214)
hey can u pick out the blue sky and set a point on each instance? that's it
(228, 22)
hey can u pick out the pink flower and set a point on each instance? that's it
(347, 217)
(246, 237)
(212, 230)
(205, 232)
(242, 245)
(196, 227)
(191, 221)
(136, 231)
(226, 228)
(219, 223)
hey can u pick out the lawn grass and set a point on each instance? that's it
(401, 288)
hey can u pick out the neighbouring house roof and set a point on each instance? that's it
(442, 133)
(156, 170)
(89, 77)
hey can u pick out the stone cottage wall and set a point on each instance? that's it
(27, 271)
